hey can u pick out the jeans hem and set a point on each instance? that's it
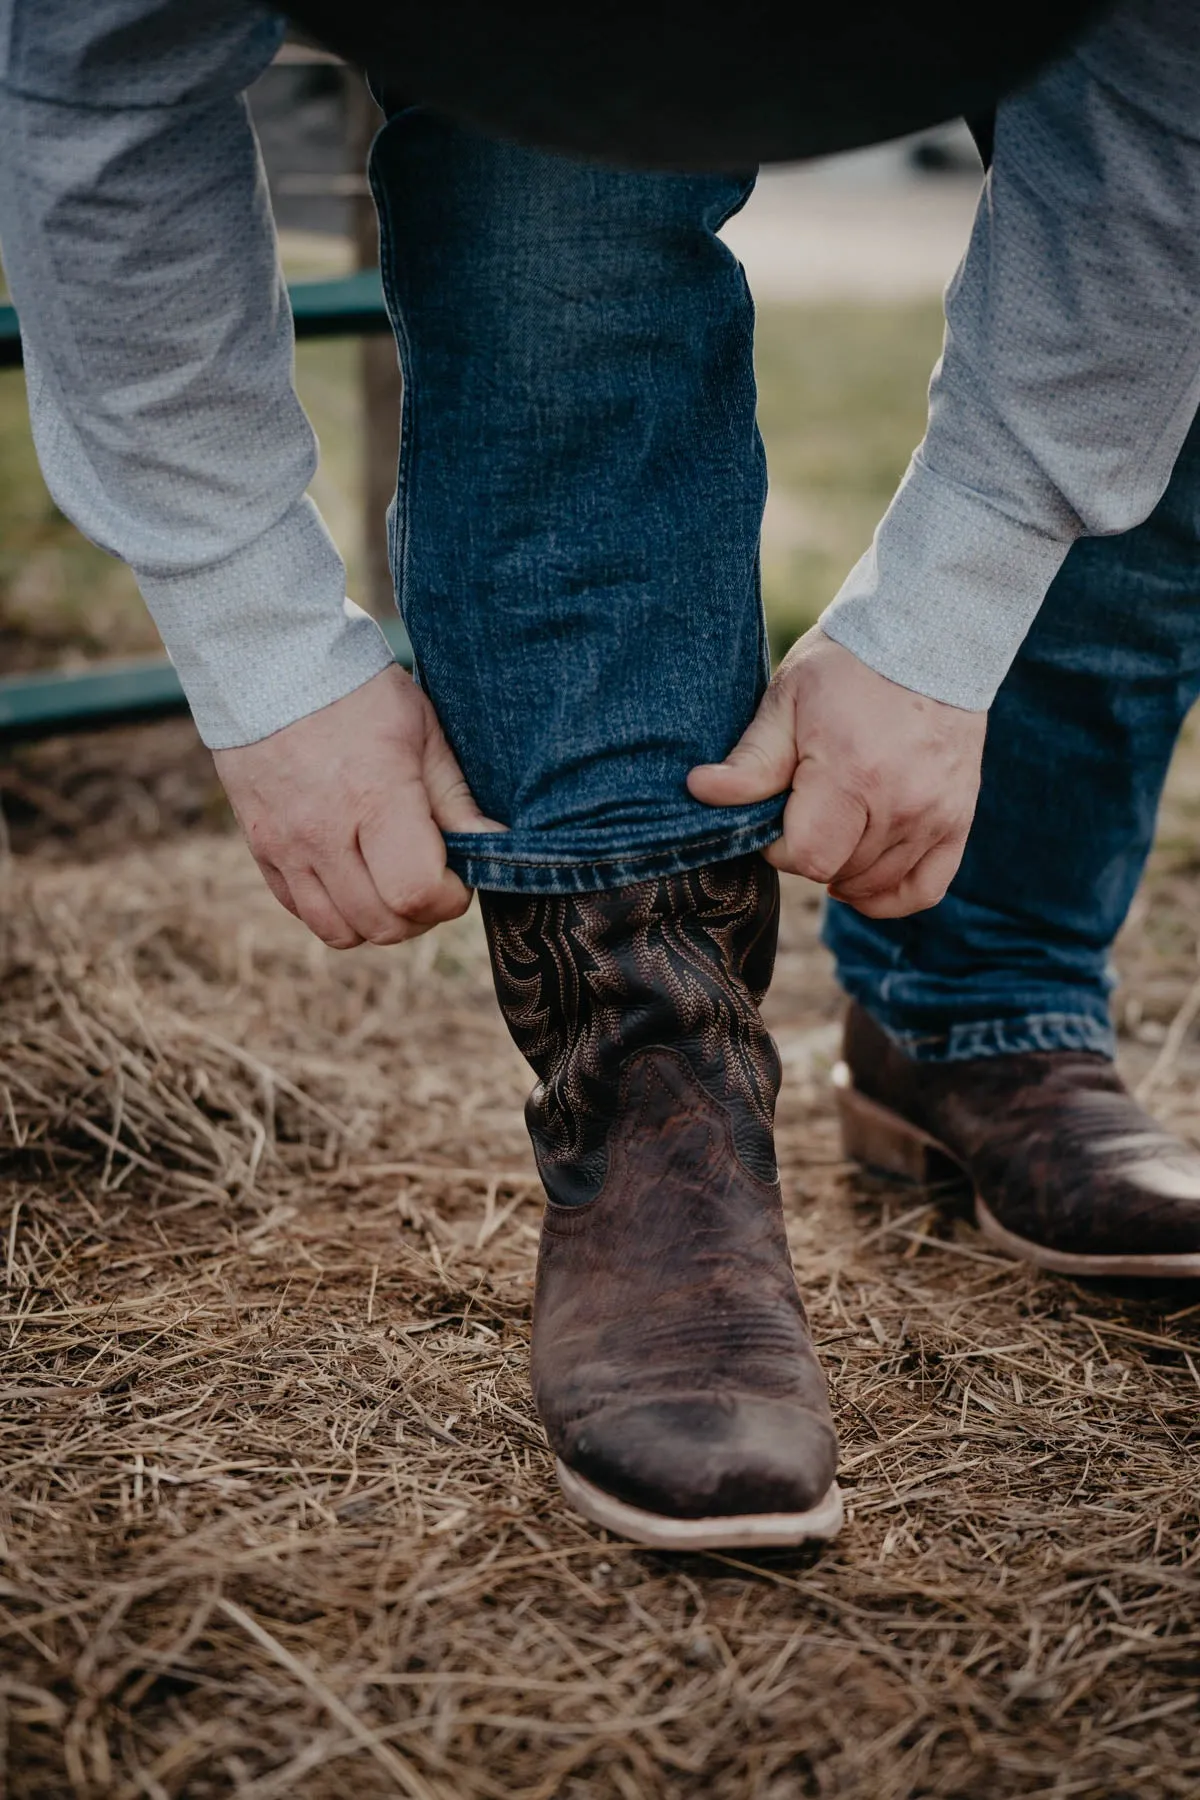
(972, 1039)
(531, 871)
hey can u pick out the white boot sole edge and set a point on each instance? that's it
(658, 1531)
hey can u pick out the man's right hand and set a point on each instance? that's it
(344, 813)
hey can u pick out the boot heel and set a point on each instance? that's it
(880, 1139)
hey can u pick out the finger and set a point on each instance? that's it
(451, 802)
(279, 888)
(760, 764)
(887, 832)
(866, 878)
(348, 881)
(408, 866)
(880, 875)
(318, 911)
(923, 887)
(822, 826)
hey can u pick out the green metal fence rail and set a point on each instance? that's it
(122, 693)
(351, 306)
(128, 693)
(10, 338)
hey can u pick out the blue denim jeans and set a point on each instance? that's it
(1079, 741)
(575, 533)
(575, 547)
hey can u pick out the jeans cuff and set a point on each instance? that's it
(970, 1039)
(532, 862)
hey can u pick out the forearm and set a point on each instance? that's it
(140, 251)
(1071, 370)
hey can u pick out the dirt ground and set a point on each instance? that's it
(276, 1517)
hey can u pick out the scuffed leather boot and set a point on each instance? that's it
(672, 1363)
(1068, 1170)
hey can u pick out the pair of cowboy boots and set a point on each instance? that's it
(673, 1367)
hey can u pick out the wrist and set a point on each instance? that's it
(266, 636)
(942, 601)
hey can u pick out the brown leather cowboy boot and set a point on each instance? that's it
(1068, 1171)
(672, 1364)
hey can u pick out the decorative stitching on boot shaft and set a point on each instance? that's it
(587, 982)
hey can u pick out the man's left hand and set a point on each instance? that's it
(883, 780)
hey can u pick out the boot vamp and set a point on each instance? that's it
(1068, 1157)
(672, 1361)
(744, 1341)
(1053, 1141)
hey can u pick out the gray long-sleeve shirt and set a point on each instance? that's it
(1071, 367)
(139, 249)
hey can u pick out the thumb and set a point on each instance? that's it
(761, 763)
(450, 799)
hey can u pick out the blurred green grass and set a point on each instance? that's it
(60, 598)
(841, 403)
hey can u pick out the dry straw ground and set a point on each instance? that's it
(276, 1516)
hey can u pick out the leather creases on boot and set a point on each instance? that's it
(1069, 1171)
(672, 1363)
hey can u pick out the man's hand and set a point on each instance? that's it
(883, 780)
(342, 812)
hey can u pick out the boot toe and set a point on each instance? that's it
(701, 1457)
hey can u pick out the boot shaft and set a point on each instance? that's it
(588, 983)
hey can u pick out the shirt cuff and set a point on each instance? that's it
(943, 599)
(266, 636)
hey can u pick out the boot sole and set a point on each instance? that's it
(881, 1139)
(659, 1531)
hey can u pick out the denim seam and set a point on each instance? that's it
(764, 635)
(398, 530)
(1031, 1032)
(579, 877)
(769, 827)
